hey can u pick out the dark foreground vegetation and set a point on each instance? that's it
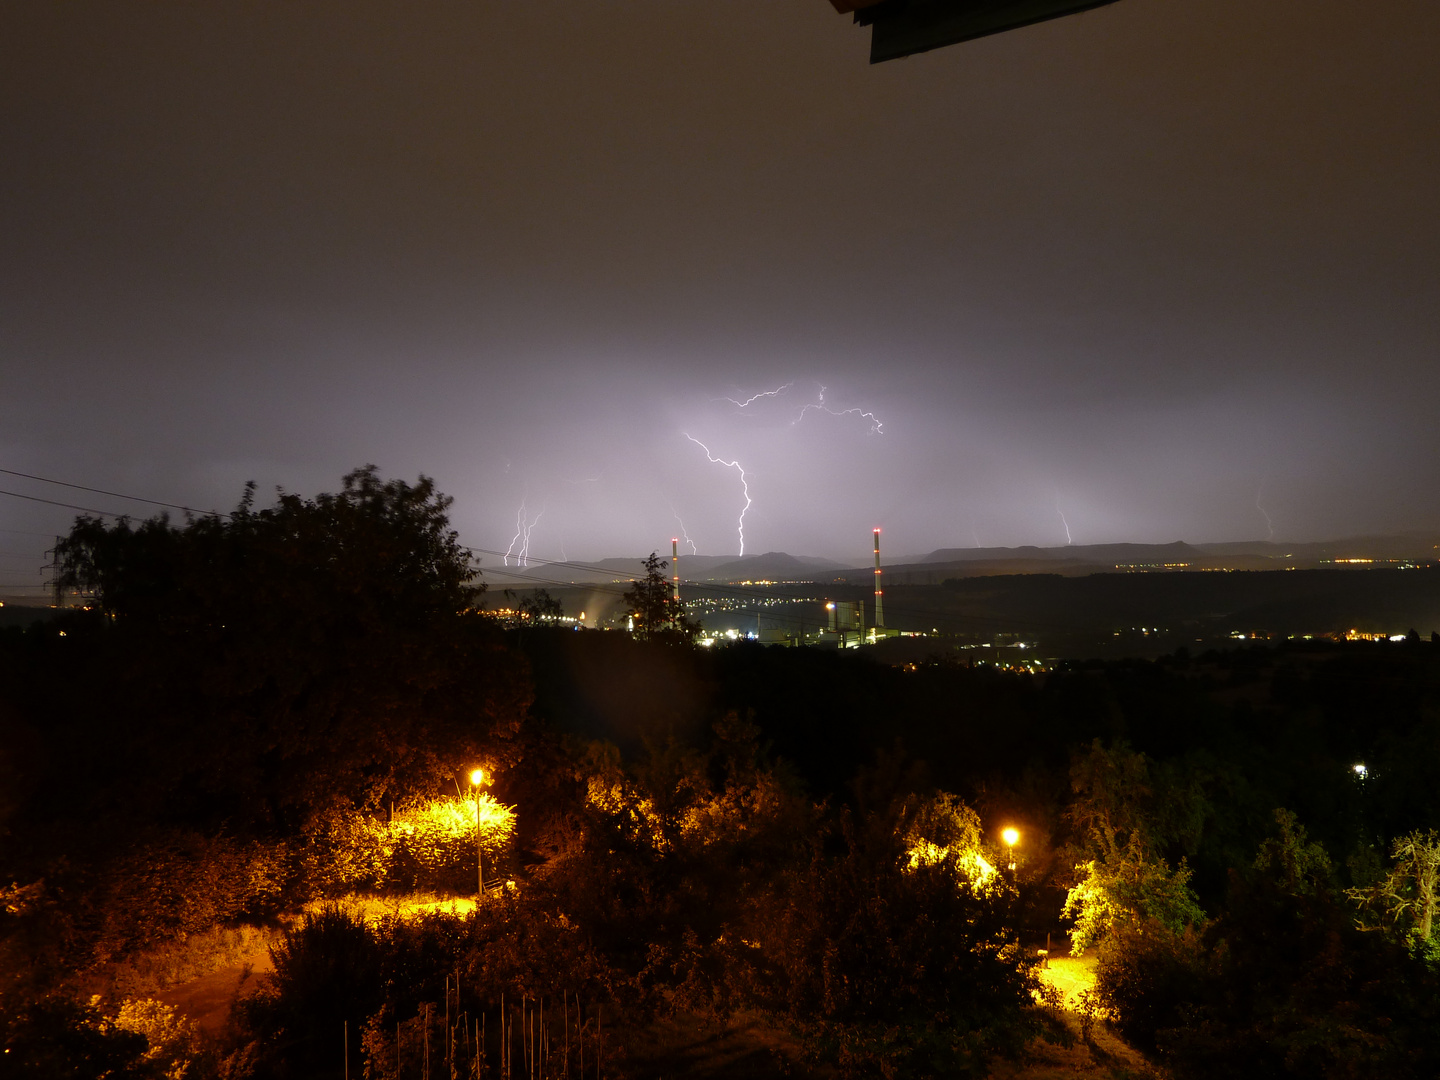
(264, 714)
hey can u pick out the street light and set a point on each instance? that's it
(1011, 838)
(477, 778)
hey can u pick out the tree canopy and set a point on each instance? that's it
(269, 663)
(657, 613)
(377, 552)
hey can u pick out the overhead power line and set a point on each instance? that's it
(103, 491)
(68, 506)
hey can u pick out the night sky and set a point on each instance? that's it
(1170, 269)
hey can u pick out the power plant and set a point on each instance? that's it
(843, 623)
(846, 621)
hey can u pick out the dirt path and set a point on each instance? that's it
(207, 1000)
(1104, 1057)
(1071, 976)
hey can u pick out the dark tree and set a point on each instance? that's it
(270, 664)
(376, 553)
(651, 603)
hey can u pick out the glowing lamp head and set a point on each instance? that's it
(477, 777)
(1011, 837)
(1361, 771)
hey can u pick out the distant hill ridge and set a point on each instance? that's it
(771, 566)
(1173, 552)
(1080, 559)
(1070, 559)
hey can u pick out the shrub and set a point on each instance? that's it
(430, 845)
(327, 972)
(1292, 987)
(172, 1040)
(55, 1037)
(899, 971)
(1284, 983)
(1145, 974)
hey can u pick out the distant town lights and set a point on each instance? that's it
(1361, 771)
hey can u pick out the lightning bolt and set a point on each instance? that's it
(525, 546)
(693, 549)
(519, 531)
(1068, 538)
(744, 483)
(756, 397)
(1269, 522)
(876, 427)
(520, 542)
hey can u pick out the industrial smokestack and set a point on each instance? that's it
(675, 565)
(879, 592)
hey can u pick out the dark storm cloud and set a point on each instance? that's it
(1145, 267)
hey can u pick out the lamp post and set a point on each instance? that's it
(476, 779)
(1011, 838)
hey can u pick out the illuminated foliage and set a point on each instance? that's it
(895, 966)
(1128, 891)
(1406, 897)
(172, 1040)
(944, 828)
(434, 843)
(1126, 815)
(57, 1036)
(430, 845)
